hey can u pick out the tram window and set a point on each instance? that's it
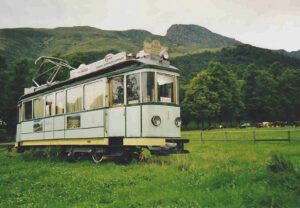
(165, 88)
(94, 95)
(38, 108)
(74, 100)
(20, 113)
(27, 110)
(133, 88)
(49, 105)
(117, 91)
(148, 86)
(59, 103)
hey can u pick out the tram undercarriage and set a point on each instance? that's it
(116, 148)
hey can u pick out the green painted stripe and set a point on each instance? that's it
(153, 103)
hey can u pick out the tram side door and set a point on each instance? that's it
(115, 114)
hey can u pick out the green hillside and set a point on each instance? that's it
(235, 58)
(180, 39)
(31, 43)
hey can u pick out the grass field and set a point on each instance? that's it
(246, 134)
(214, 174)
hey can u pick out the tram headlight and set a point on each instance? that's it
(156, 121)
(178, 122)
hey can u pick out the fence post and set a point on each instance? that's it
(226, 136)
(254, 136)
(289, 135)
(201, 137)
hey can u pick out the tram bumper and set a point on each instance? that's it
(172, 146)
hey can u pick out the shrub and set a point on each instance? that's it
(280, 164)
(50, 153)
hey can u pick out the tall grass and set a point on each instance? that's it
(214, 174)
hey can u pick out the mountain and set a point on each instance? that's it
(32, 42)
(294, 54)
(194, 34)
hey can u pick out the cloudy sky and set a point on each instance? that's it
(273, 24)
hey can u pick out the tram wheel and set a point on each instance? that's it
(97, 157)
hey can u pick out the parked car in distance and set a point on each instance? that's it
(244, 125)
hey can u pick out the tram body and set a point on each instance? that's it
(110, 107)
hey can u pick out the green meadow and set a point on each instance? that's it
(214, 174)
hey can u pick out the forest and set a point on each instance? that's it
(234, 85)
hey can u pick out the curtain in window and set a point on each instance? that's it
(93, 95)
(60, 99)
(74, 100)
(38, 108)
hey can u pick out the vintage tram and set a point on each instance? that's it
(112, 107)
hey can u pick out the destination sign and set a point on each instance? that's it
(109, 60)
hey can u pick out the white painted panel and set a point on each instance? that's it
(18, 134)
(27, 127)
(92, 119)
(167, 127)
(59, 134)
(49, 124)
(85, 133)
(26, 137)
(133, 121)
(59, 122)
(34, 136)
(115, 122)
(48, 135)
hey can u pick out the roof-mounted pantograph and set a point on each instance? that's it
(56, 63)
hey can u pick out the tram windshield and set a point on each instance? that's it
(165, 88)
(148, 86)
(133, 88)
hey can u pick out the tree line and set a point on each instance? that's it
(220, 95)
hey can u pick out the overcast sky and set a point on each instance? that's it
(273, 24)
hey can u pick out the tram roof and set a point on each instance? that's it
(119, 68)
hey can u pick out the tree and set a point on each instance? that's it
(226, 85)
(276, 69)
(289, 90)
(76, 59)
(3, 95)
(19, 78)
(200, 102)
(261, 94)
(3, 65)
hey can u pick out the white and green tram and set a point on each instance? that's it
(113, 107)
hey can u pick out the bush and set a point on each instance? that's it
(5, 137)
(50, 153)
(192, 125)
(280, 164)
